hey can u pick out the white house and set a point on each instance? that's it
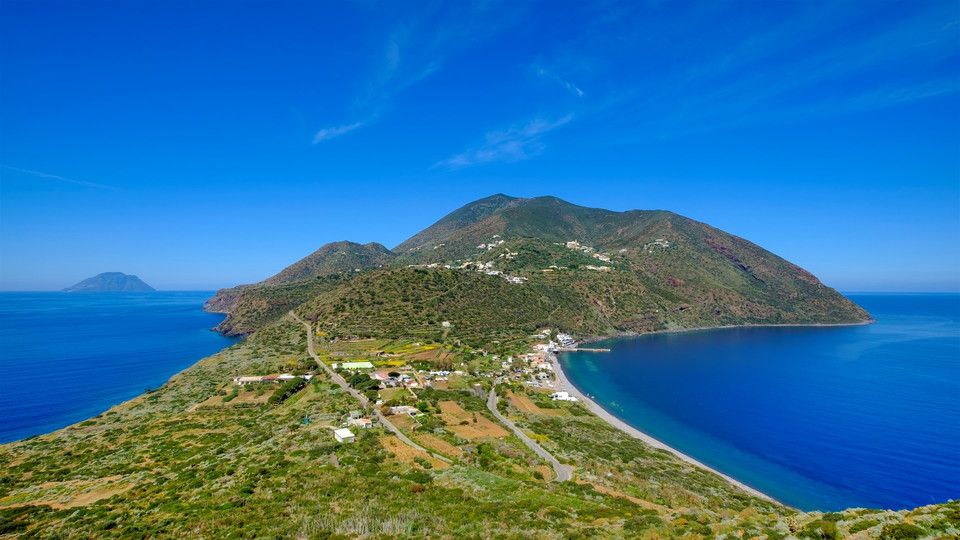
(404, 409)
(343, 435)
(562, 396)
(362, 422)
(356, 365)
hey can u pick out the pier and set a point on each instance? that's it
(580, 349)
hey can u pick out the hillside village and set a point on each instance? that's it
(391, 382)
(494, 255)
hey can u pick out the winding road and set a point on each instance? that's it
(562, 472)
(335, 377)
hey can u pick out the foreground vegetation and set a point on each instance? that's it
(197, 458)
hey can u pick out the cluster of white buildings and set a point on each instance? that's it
(492, 244)
(603, 257)
(659, 243)
(566, 340)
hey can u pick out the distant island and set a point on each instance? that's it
(111, 282)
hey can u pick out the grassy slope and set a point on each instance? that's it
(250, 307)
(484, 309)
(259, 305)
(179, 462)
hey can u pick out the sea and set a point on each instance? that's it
(66, 357)
(819, 418)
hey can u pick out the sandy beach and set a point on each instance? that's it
(563, 383)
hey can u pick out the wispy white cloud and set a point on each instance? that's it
(567, 85)
(328, 133)
(55, 177)
(795, 68)
(420, 45)
(508, 145)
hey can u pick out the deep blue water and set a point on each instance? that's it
(65, 357)
(818, 418)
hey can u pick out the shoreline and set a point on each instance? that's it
(565, 384)
(618, 335)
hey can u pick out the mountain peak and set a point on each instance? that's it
(335, 258)
(111, 282)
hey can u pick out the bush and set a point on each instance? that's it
(897, 531)
(286, 390)
(821, 528)
(863, 525)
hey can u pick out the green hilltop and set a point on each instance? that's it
(251, 306)
(597, 272)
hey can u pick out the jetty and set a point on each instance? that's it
(580, 349)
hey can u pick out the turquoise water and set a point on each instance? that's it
(818, 418)
(66, 357)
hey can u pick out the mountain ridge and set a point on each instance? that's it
(670, 271)
(329, 259)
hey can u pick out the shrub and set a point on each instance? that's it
(821, 528)
(897, 531)
(286, 390)
(863, 525)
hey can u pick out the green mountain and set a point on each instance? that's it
(251, 306)
(111, 282)
(335, 258)
(455, 221)
(592, 272)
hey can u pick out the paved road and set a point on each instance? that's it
(562, 472)
(360, 397)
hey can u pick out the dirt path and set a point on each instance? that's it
(358, 396)
(562, 472)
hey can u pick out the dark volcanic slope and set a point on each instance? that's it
(111, 282)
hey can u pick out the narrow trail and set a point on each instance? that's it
(562, 472)
(360, 397)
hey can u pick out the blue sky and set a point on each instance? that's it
(205, 144)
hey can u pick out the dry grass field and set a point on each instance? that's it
(439, 445)
(407, 454)
(469, 425)
(525, 404)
